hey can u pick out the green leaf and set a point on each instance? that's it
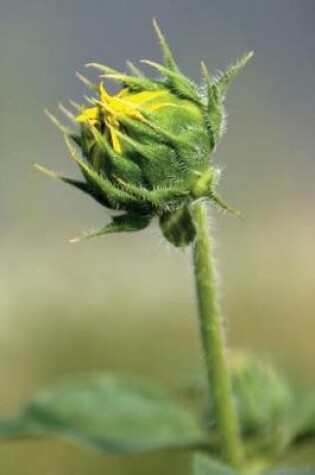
(204, 465)
(292, 471)
(110, 414)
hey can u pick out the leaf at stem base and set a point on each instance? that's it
(110, 414)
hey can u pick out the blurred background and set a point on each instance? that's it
(126, 303)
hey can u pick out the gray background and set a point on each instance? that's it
(126, 303)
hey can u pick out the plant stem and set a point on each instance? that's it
(213, 340)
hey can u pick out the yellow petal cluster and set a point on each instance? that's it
(109, 108)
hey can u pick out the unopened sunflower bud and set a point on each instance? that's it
(147, 150)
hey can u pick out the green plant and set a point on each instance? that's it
(147, 152)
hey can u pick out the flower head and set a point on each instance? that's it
(147, 151)
(109, 110)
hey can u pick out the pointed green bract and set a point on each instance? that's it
(103, 68)
(205, 185)
(159, 134)
(134, 70)
(214, 108)
(155, 197)
(219, 201)
(118, 164)
(135, 82)
(178, 83)
(81, 185)
(78, 107)
(167, 54)
(227, 77)
(66, 112)
(87, 82)
(114, 194)
(123, 223)
(63, 128)
(92, 191)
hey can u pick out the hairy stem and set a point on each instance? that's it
(213, 340)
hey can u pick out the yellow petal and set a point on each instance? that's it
(105, 97)
(124, 107)
(124, 92)
(115, 140)
(88, 115)
(145, 96)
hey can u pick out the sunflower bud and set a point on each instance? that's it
(146, 151)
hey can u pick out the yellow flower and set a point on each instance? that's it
(126, 103)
